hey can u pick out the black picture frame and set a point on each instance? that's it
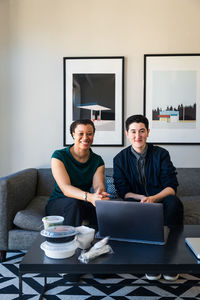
(94, 89)
(171, 98)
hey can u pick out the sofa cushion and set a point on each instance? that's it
(45, 182)
(188, 181)
(21, 239)
(31, 217)
(191, 209)
(110, 187)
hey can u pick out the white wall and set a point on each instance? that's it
(4, 88)
(42, 32)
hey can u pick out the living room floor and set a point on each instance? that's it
(119, 286)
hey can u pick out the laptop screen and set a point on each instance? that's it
(131, 221)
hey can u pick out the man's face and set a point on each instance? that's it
(137, 135)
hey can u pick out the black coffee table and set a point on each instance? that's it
(174, 257)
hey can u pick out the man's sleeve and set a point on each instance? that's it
(120, 179)
(168, 172)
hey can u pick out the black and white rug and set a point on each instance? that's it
(119, 286)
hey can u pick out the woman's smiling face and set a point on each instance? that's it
(83, 136)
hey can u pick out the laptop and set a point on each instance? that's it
(131, 221)
(194, 244)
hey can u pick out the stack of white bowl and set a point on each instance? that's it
(60, 241)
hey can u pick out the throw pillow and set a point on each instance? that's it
(31, 217)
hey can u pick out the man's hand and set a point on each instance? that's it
(158, 197)
(135, 196)
(150, 199)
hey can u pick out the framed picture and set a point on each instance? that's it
(94, 89)
(172, 98)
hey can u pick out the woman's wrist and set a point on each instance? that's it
(85, 196)
(89, 197)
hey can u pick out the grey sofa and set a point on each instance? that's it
(23, 197)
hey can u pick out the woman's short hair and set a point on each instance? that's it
(82, 122)
(137, 119)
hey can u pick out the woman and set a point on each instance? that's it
(75, 169)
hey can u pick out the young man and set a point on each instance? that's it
(144, 173)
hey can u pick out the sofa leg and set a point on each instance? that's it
(3, 255)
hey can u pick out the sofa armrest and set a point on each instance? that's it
(16, 191)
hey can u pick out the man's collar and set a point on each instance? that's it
(138, 155)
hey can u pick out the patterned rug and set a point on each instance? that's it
(118, 286)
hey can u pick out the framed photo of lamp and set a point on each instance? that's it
(94, 89)
(172, 98)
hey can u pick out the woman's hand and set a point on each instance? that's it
(98, 195)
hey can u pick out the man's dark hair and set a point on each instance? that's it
(83, 122)
(137, 119)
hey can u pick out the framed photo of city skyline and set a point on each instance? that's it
(172, 98)
(94, 89)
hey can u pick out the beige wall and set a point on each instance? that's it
(42, 32)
